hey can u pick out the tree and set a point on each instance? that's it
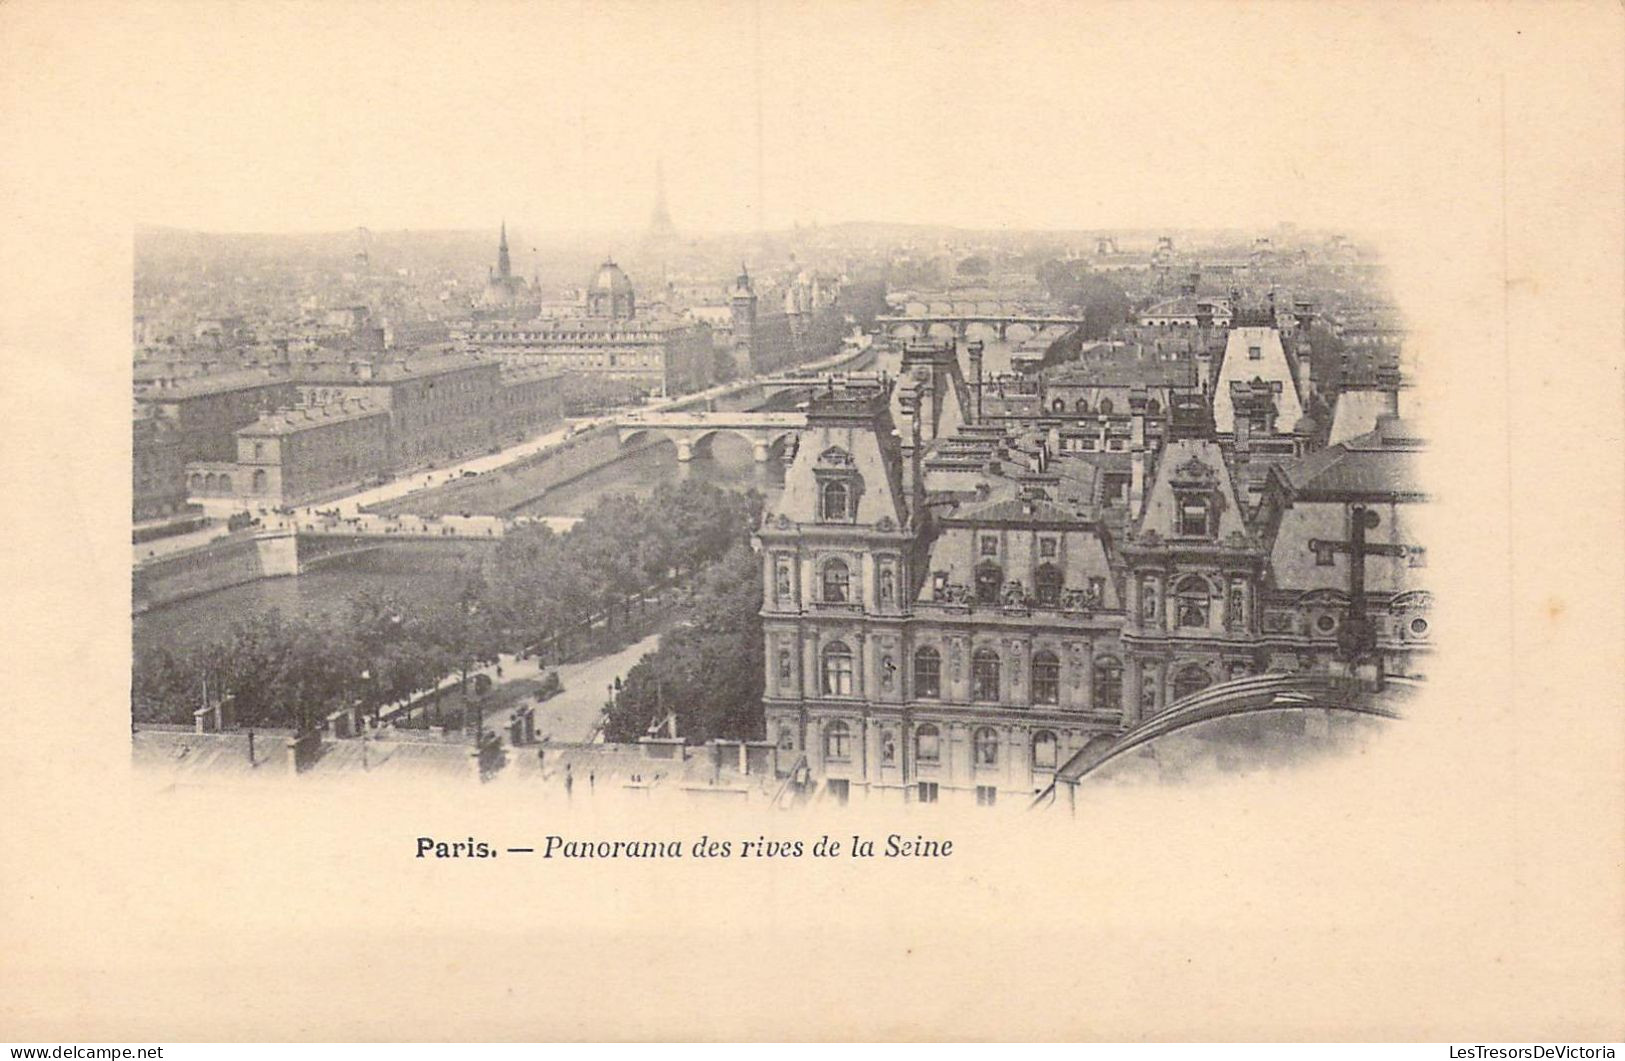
(164, 687)
(975, 265)
(708, 668)
(723, 367)
(1102, 300)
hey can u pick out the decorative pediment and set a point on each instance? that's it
(1194, 474)
(835, 457)
(1419, 599)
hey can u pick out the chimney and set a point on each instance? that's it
(914, 474)
(975, 349)
(1136, 482)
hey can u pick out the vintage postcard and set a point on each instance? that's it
(770, 520)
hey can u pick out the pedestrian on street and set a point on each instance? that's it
(569, 780)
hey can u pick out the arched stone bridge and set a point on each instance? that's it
(691, 431)
(965, 323)
(791, 382)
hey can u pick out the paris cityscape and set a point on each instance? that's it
(997, 515)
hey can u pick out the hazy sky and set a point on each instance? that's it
(328, 116)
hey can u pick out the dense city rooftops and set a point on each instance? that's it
(1123, 372)
(1379, 463)
(386, 370)
(304, 417)
(166, 389)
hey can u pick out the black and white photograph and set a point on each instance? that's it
(674, 502)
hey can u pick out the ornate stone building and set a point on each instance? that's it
(612, 340)
(922, 668)
(954, 609)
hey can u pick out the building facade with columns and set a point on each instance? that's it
(611, 340)
(925, 670)
(953, 611)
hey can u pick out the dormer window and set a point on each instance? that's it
(989, 581)
(836, 502)
(1195, 516)
(838, 486)
(1048, 584)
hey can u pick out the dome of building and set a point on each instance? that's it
(610, 293)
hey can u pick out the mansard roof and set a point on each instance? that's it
(1379, 464)
(1014, 510)
(1197, 463)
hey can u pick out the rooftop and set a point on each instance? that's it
(198, 386)
(1379, 463)
(308, 417)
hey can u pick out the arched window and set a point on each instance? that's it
(1153, 408)
(259, 480)
(984, 675)
(1105, 407)
(837, 740)
(928, 673)
(1045, 750)
(989, 579)
(836, 500)
(1082, 407)
(1047, 582)
(927, 744)
(1046, 678)
(197, 482)
(225, 483)
(986, 745)
(837, 669)
(1058, 405)
(787, 740)
(1192, 602)
(1191, 679)
(786, 666)
(837, 582)
(1108, 683)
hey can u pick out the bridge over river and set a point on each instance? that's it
(691, 430)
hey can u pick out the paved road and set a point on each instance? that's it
(573, 714)
(570, 716)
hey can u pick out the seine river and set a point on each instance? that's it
(427, 570)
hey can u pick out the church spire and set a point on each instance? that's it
(660, 223)
(504, 266)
